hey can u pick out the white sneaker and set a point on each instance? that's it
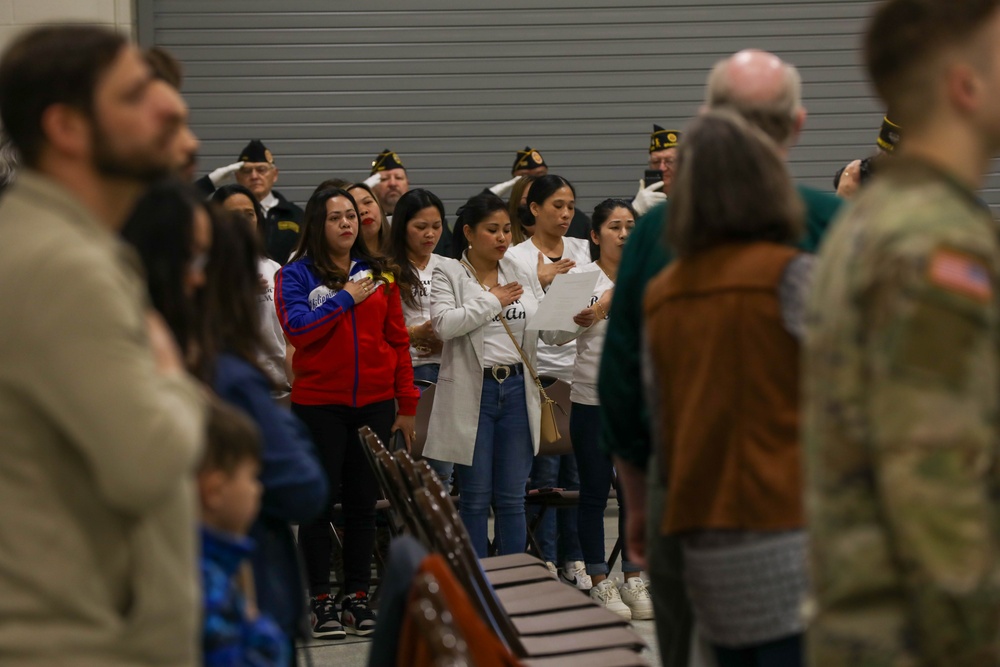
(552, 568)
(636, 597)
(575, 572)
(606, 594)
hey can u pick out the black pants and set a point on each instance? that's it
(785, 652)
(334, 429)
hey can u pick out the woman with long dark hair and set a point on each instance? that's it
(417, 223)
(482, 374)
(275, 354)
(339, 304)
(551, 206)
(171, 230)
(202, 273)
(374, 224)
(611, 224)
(522, 223)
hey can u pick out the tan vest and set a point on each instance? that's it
(728, 402)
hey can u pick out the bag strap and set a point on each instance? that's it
(524, 357)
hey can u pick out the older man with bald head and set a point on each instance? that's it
(767, 92)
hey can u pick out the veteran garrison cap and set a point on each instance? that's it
(529, 158)
(888, 135)
(255, 151)
(385, 161)
(662, 139)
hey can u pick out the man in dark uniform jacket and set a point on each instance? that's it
(255, 170)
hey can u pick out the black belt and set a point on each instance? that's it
(501, 372)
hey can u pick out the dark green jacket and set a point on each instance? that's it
(624, 416)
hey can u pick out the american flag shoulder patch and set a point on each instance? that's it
(960, 272)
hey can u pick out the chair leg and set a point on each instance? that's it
(338, 551)
(615, 552)
(533, 548)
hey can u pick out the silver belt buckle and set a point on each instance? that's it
(496, 369)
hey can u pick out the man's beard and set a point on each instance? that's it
(139, 167)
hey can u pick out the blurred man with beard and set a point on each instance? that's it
(168, 76)
(101, 426)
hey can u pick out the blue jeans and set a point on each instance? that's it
(595, 481)
(501, 462)
(557, 533)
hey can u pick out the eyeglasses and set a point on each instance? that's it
(261, 169)
(662, 163)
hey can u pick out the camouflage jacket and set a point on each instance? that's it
(901, 428)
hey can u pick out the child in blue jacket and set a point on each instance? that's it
(234, 632)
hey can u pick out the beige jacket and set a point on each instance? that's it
(460, 311)
(97, 505)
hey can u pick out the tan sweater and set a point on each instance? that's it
(97, 505)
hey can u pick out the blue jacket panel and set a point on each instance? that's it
(295, 488)
(229, 637)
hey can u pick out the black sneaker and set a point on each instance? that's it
(358, 619)
(325, 624)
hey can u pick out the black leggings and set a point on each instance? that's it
(334, 430)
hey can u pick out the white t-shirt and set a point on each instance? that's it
(590, 344)
(272, 356)
(421, 312)
(498, 348)
(553, 360)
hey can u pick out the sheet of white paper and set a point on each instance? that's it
(568, 294)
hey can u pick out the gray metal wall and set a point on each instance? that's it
(456, 87)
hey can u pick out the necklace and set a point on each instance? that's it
(498, 282)
(598, 263)
(475, 274)
(536, 240)
(418, 266)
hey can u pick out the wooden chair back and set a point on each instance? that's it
(466, 569)
(443, 641)
(371, 445)
(390, 480)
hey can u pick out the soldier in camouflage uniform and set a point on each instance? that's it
(901, 430)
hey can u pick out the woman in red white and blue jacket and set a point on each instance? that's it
(339, 305)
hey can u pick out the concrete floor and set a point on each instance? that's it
(353, 651)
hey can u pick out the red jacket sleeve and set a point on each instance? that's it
(396, 335)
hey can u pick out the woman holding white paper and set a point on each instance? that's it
(548, 253)
(480, 308)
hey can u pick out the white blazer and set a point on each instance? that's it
(460, 311)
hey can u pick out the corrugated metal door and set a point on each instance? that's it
(455, 88)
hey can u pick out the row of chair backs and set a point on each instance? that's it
(570, 636)
(389, 479)
(429, 512)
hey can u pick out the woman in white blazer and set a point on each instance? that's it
(482, 374)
